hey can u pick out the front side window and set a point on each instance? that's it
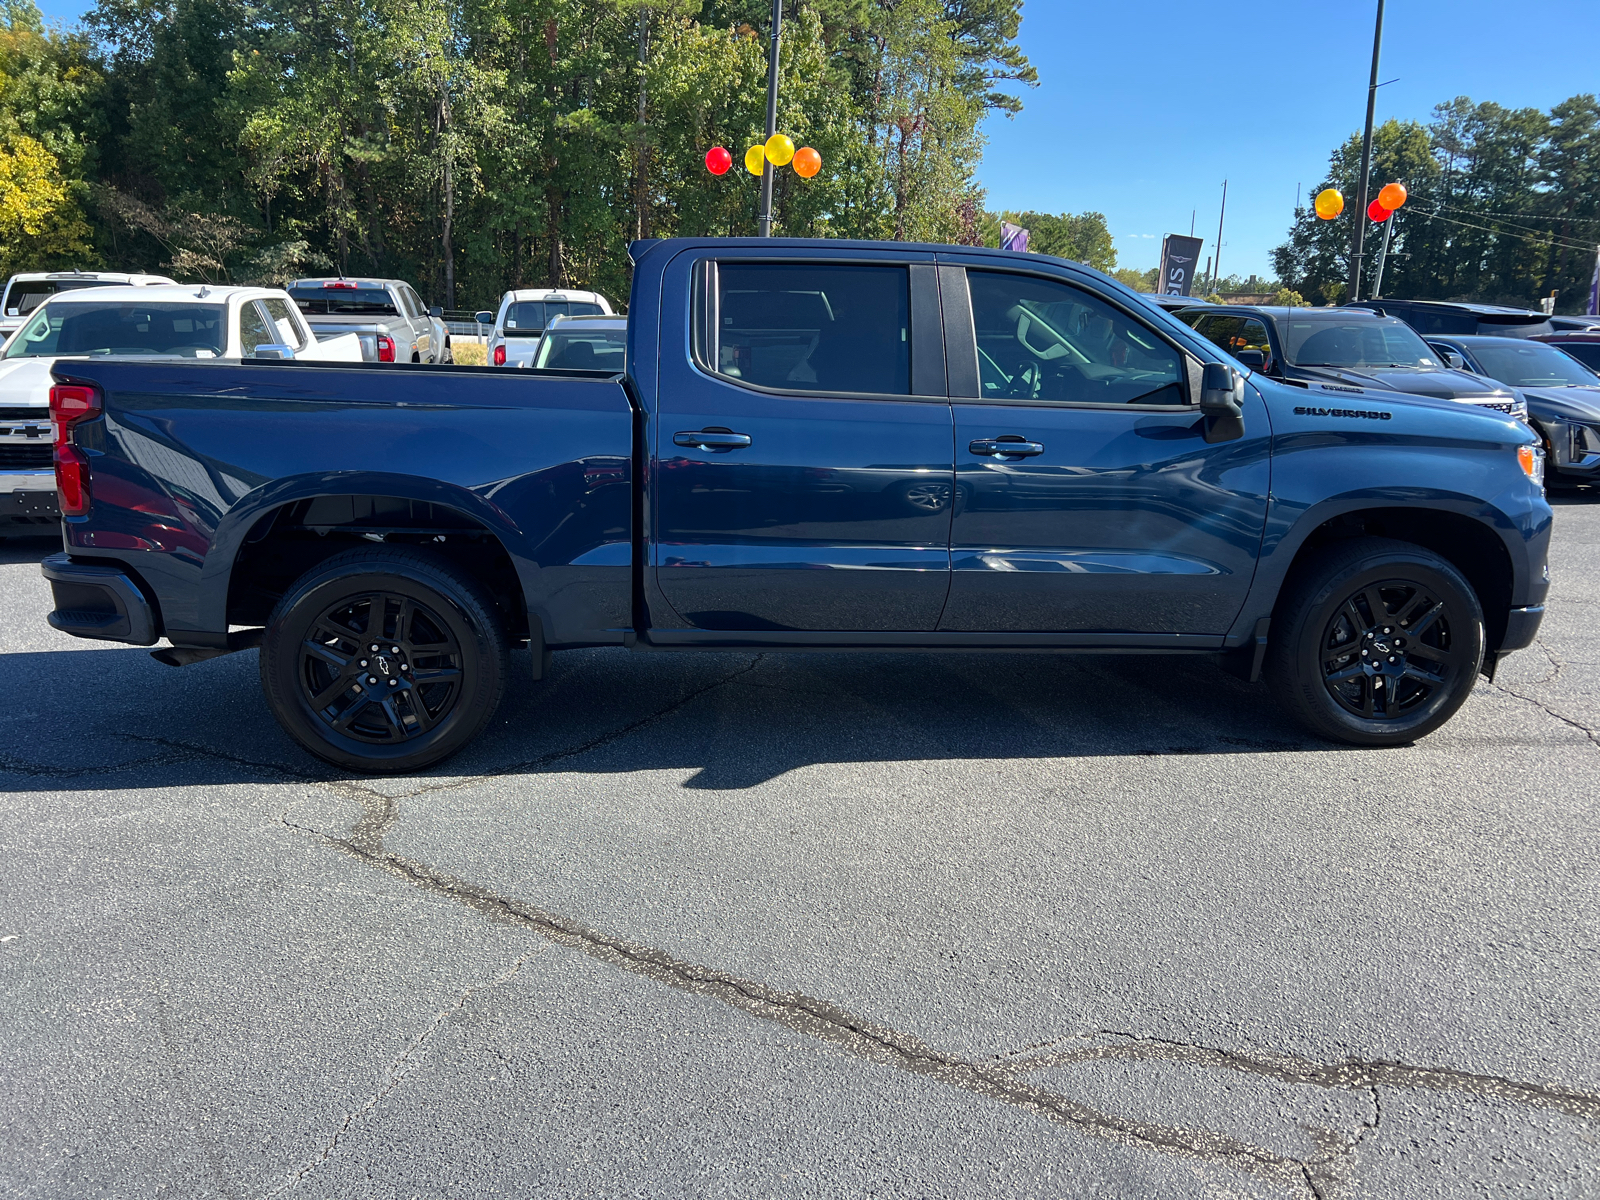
(825, 328)
(283, 319)
(1048, 341)
(1351, 342)
(253, 328)
(1234, 334)
(187, 330)
(1588, 353)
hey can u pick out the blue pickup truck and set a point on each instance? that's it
(817, 445)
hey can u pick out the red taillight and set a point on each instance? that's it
(500, 355)
(385, 348)
(71, 403)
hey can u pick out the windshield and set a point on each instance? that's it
(25, 295)
(1373, 342)
(189, 330)
(344, 300)
(527, 318)
(583, 350)
(1532, 364)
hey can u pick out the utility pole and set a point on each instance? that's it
(1360, 239)
(764, 219)
(1217, 271)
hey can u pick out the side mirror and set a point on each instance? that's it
(1222, 402)
(273, 350)
(1452, 359)
(1254, 359)
(483, 318)
(436, 311)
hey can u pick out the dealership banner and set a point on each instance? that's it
(1178, 257)
(1013, 237)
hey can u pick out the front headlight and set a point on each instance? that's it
(1531, 460)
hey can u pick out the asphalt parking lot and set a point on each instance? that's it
(801, 925)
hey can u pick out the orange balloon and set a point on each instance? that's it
(1392, 196)
(1329, 203)
(807, 162)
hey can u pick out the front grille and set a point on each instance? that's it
(1505, 406)
(26, 458)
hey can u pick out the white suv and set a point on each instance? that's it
(26, 292)
(522, 318)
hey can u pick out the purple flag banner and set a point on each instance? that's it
(1594, 287)
(1013, 237)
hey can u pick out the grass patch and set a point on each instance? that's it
(469, 354)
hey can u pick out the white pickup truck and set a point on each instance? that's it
(387, 316)
(171, 321)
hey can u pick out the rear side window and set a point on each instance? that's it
(1046, 341)
(824, 328)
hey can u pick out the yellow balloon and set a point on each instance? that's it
(755, 159)
(779, 150)
(1329, 203)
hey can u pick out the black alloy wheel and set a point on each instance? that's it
(383, 660)
(1375, 642)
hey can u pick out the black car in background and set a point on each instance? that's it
(1563, 396)
(1451, 318)
(1342, 347)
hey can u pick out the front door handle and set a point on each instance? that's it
(1006, 447)
(712, 439)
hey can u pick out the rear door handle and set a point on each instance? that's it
(712, 439)
(1005, 447)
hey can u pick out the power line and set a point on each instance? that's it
(1529, 236)
(1527, 216)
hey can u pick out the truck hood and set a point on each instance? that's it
(1441, 383)
(25, 382)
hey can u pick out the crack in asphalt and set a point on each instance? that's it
(1322, 1174)
(398, 1070)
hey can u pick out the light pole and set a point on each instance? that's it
(1216, 272)
(1366, 163)
(764, 218)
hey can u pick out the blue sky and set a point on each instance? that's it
(1121, 122)
(1145, 106)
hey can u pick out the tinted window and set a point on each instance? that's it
(288, 330)
(253, 327)
(191, 330)
(1041, 340)
(527, 318)
(25, 296)
(1588, 353)
(583, 350)
(344, 300)
(822, 328)
(1433, 322)
(1234, 334)
(1530, 364)
(1353, 342)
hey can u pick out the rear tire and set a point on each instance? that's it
(1375, 642)
(432, 684)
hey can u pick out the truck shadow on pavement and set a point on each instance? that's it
(736, 719)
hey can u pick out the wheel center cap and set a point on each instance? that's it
(383, 665)
(1379, 647)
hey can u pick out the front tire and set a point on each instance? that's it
(430, 686)
(1375, 643)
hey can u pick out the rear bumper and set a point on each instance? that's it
(99, 602)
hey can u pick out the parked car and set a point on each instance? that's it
(1169, 301)
(1343, 347)
(1563, 396)
(1459, 318)
(583, 343)
(387, 315)
(27, 291)
(523, 315)
(172, 321)
(1130, 490)
(1563, 324)
(1585, 347)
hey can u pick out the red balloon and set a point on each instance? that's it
(718, 160)
(1377, 212)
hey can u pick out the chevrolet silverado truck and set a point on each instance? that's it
(385, 314)
(815, 445)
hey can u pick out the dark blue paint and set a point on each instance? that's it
(1128, 530)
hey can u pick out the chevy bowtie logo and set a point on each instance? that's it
(28, 431)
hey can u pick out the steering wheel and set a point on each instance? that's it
(1026, 323)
